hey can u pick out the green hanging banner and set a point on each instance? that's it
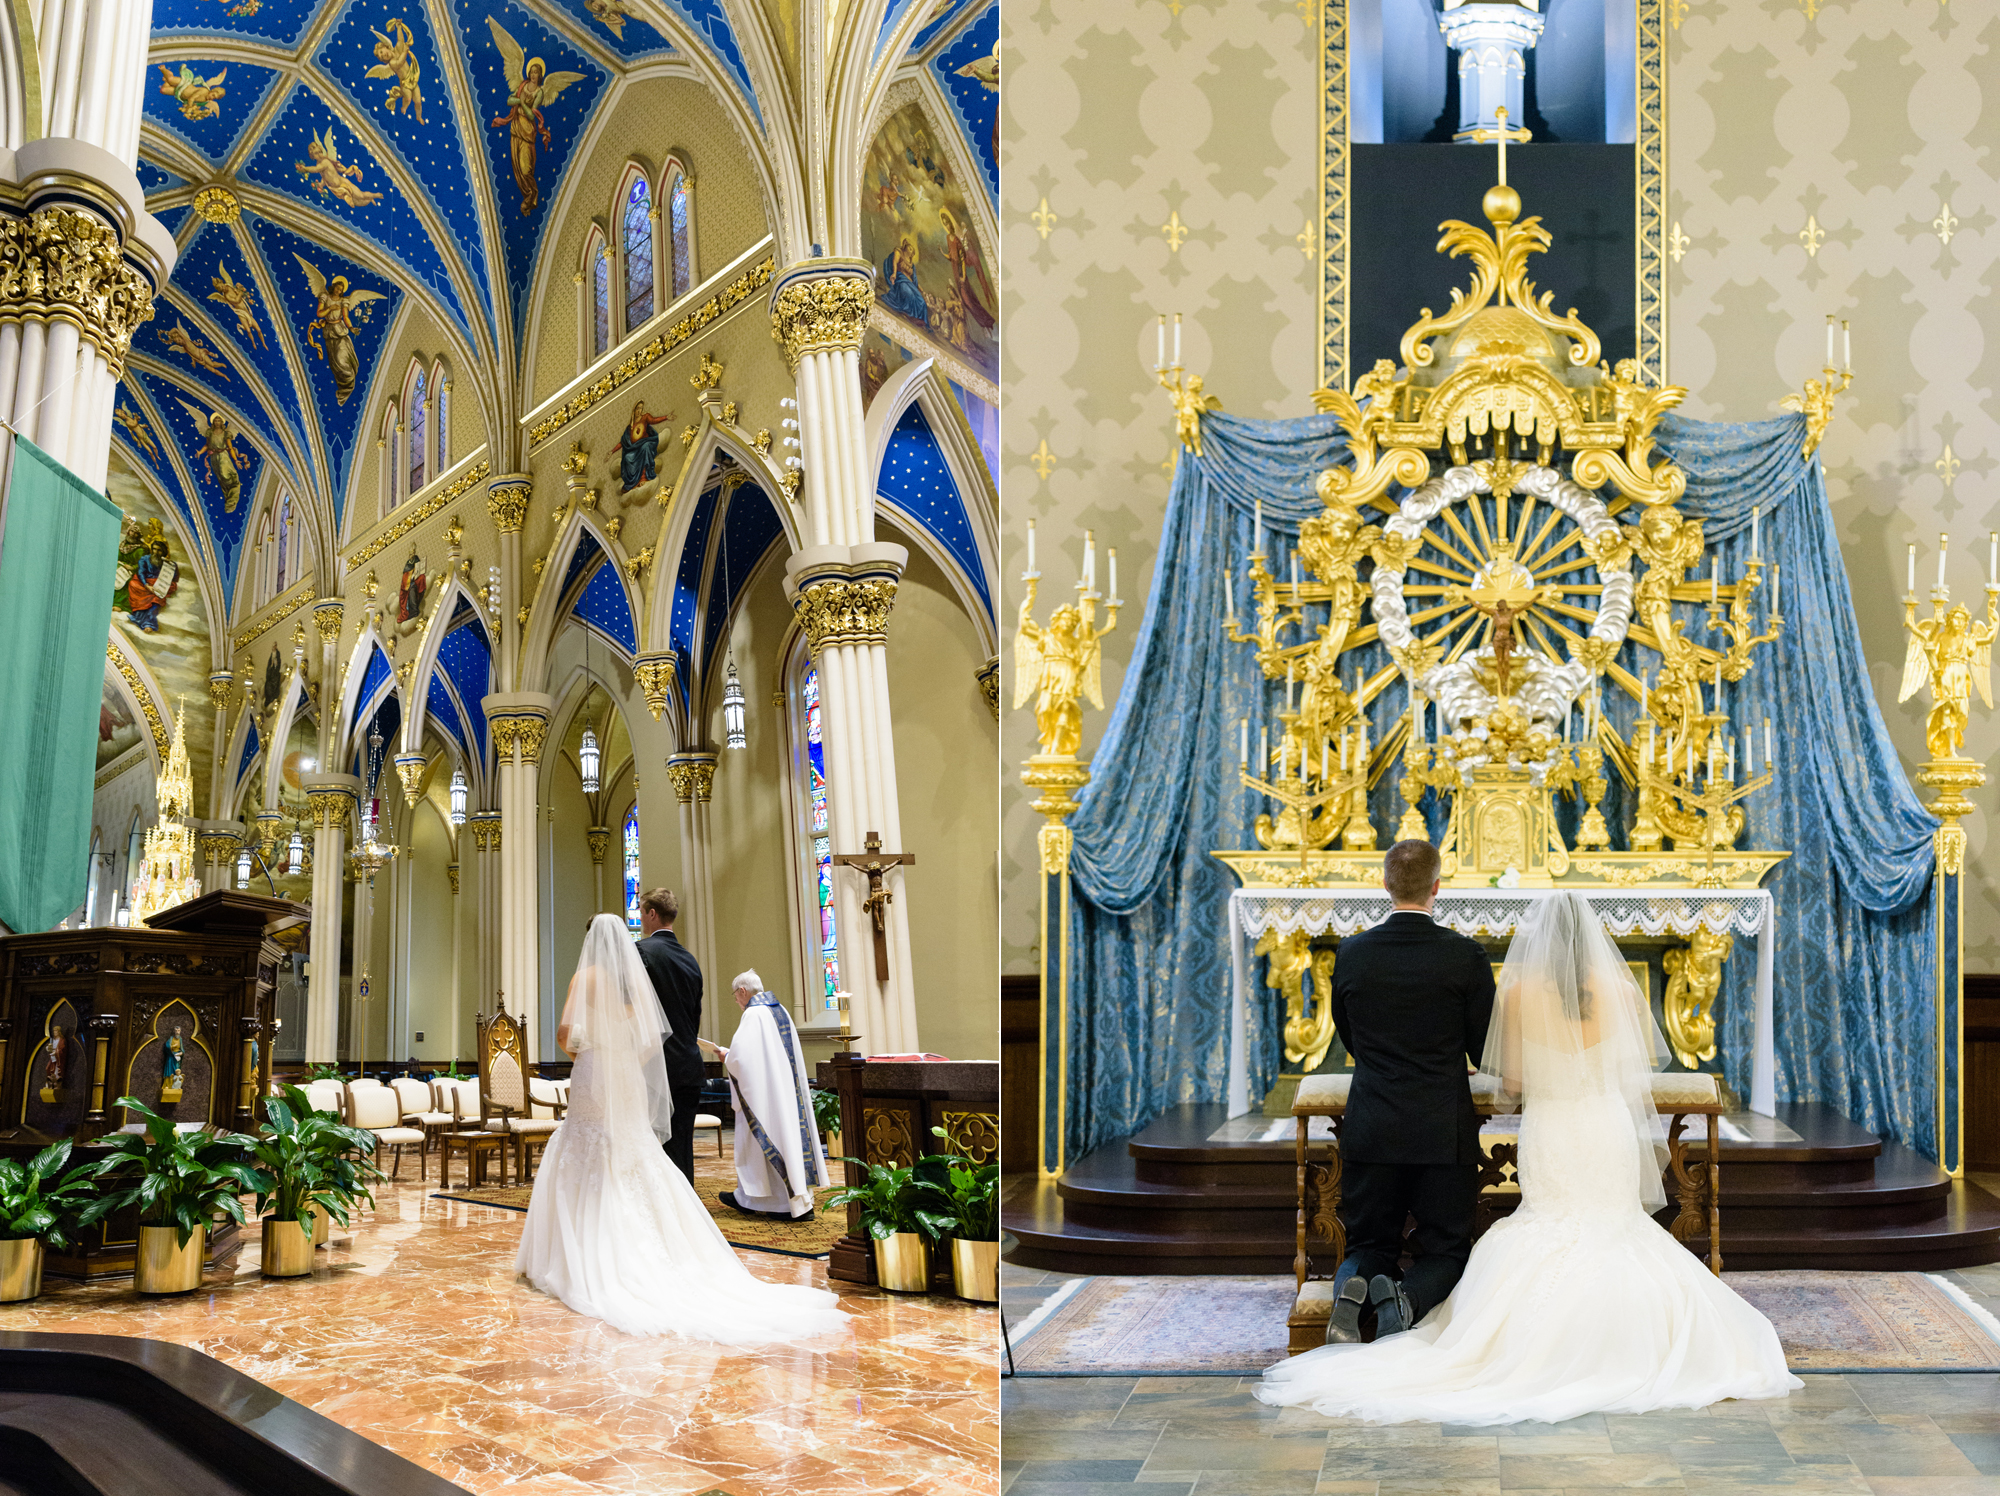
(58, 554)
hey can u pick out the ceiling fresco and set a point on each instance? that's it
(969, 72)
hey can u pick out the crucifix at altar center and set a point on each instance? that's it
(1502, 134)
(876, 864)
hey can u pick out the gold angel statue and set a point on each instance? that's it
(396, 57)
(331, 176)
(1955, 655)
(1331, 543)
(1061, 662)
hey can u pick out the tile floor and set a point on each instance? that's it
(1876, 1435)
(415, 1332)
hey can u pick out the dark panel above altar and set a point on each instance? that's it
(1401, 193)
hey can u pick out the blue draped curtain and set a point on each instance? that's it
(1150, 1012)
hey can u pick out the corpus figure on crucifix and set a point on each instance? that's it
(876, 864)
(1503, 590)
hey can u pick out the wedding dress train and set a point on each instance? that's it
(614, 1230)
(1579, 1302)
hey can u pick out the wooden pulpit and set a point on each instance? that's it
(178, 1012)
(887, 1111)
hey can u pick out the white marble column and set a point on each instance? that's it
(485, 825)
(333, 798)
(455, 870)
(519, 721)
(842, 584)
(693, 777)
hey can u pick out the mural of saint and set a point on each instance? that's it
(639, 448)
(195, 95)
(530, 85)
(968, 271)
(147, 574)
(330, 333)
(874, 370)
(395, 57)
(330, 176)
(274, 679)
(899, 291)
(218, 453)
(412, 593)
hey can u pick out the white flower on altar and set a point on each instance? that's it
(1509, 879)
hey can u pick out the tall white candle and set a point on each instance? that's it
(1829, 340)
(1288, 685)
(1993, 558)
(1730, 771)
(1912, 588)
(1846, 348)
(1089, 561)
(1714, 580)
(1177, 340)
(1718, 688)
(1754, 519)
(1243, 741)
(1263, 749)
(1031, 547)
(1113, 554)
(1565, 727)
(1257, 533)
(1160, 353)
(1775, 568)
(1645, 693)
(1229, 596)
(1767, 742)
(1944, 542)
(1295, 576)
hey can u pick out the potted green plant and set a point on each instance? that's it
(826, 1117)
(180, 1182)
(969, 1194)
(317, 1167)
(38, 1209)
(896, 1215)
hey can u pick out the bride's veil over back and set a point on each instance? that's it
(613, 1011)
(1569, 1023)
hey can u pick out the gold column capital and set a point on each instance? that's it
(328, 614)
(599, 838)
(692, 776)
(451, 872)
(507, 501)
(655, 674)
(410, 769)
(844, 610)
(60, 264)
(821, 306)
(988, 676)
(220, 684)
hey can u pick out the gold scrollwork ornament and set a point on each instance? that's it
(1694, 981)
(60, 264)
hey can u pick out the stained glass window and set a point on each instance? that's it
(418, 409)
(820, 831)
(638, 254)
(632, 869)
(284, 538)
(443, 420)
(601, 328)
(677, 208)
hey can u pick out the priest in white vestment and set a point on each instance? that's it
(779, 1161)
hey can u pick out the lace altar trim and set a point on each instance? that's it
(1483, 911)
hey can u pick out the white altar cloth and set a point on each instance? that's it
(1493, 911)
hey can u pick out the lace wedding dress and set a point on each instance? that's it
(1579, 1302)
(614, 1230)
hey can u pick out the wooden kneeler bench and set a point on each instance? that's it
(1320, 1234)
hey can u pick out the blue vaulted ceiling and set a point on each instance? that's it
(968, 71)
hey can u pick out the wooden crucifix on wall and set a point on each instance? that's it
(876, 864)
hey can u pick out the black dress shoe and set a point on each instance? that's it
(728, 1197)
(1343, 1326)
(1393, 1314)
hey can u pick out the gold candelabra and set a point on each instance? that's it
(1184, 389)
(1815, 401)
(1952, 653)
(1710, 817)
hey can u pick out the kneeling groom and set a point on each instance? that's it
(1411, 1002)
(778, 1158)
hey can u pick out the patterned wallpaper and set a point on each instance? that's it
(1156, 158)
(1162, 158)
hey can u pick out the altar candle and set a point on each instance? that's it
(1288, 685)
(1767, 742)
(1829, 340)
(1565, 727)
(1731, 769)
(1944, 542)
(1993, 558)
(1645, 692)
(1343, 753)
(1774, 589)
(1846, 348)
(1112, 553)
(1295, 576)
(1243, 741)
(1089, 561)
(1257, 534)
(1229, 596)
(1754, 518)
(1263, 749)
(1912, 588)
(1160, 354)
(1177, 340)
(1714, 580)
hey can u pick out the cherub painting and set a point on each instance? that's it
(985, 71)
(612, 13)
(889, 195)
(396, 57)
(194, 350)
(196, 95)
(136, 428)
(240, 299)
(330, 333)
(218, 453)
(530, 85)
(332, 177)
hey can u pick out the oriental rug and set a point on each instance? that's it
(1827, 1322)
(811, 1238)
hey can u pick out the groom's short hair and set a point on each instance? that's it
(1410, 870)
(663, 904)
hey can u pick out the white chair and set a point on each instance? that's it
(706, 1122)
(546, 1099)
(327, 1096)
(375, 1109)
(418, 1107)
(467, 1133)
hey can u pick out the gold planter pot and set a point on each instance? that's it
(903, 1263)
(975, 1270)
(20, 1269)
(288, 1249)
(163, 1265)
(322, 1223)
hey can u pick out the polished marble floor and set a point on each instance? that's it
(415, 1332)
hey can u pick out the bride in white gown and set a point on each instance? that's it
(1579, 1302)
(614, 1230)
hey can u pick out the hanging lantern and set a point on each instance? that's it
(124, 917)
(587, 756)
(458, 788)
(243, 868)
(732, 708)
(295, 853)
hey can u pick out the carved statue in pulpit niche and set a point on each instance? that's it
(56, 1066)
(170, 1067)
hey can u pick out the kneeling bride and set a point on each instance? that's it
(1578, 1302)
(614, 1230)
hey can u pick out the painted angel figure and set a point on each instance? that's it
(985, 71)
(241, 300)
(136, 427)
(1061, 662)
(330, 334)
(332, 177)
(396, 57)
(1955, 655)
(179, 340)
(530, 85)
(612, 13)
(218, 453)
(195, 95)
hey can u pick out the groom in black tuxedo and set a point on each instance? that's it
(1411, 1002)
(676, 978)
